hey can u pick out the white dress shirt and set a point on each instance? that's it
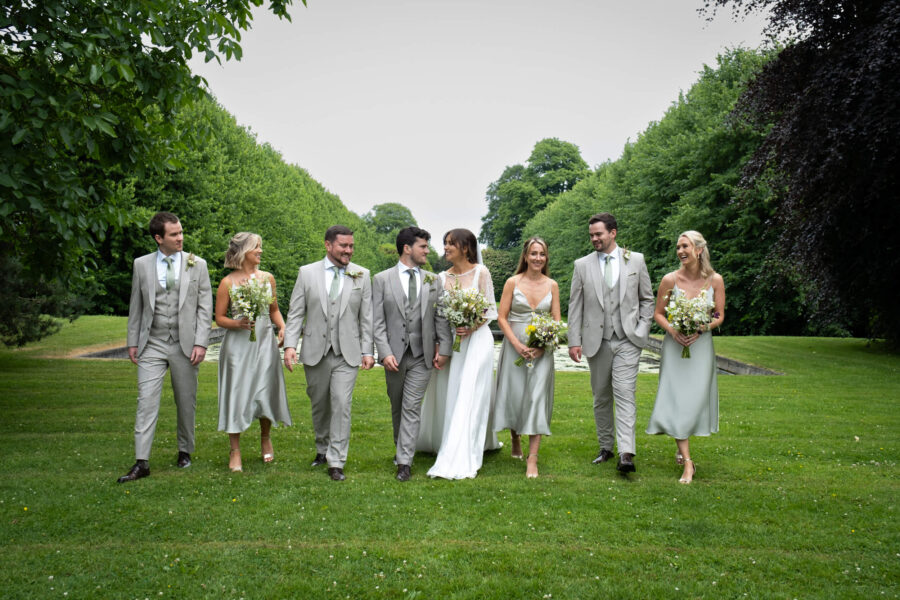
(162, 265)
(329, 275)
(404, 279)
(616, 255)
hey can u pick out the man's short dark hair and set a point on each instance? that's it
(158, 223)
(335, 230)
(409, 236)
(607, 219)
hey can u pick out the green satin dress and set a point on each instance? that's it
(523, 396)
(687, 400)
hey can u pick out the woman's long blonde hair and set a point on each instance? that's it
(239, 246)
(699, 243)
(523, 258)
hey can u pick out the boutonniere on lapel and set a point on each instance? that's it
(354, 275)
(429, 279)
(626, 254)
(191, 260)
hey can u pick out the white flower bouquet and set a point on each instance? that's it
(464, 308)
(689, 315)
(543, 332)
(251, 299)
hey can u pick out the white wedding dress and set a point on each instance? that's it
(456, 412)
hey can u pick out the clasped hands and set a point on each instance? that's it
(684, 340)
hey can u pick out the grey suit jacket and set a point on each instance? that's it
(194, 303)
(636, 302)
(389, 300)
(308, 316)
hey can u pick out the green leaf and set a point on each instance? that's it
(96, 73)
(17, 137)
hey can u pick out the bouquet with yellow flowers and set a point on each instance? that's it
(543, 332)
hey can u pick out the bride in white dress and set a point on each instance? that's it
(457, 411)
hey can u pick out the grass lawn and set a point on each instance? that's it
(795, 497)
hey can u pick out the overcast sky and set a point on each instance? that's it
(426, 102)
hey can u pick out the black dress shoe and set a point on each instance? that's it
(336, 473)
(318, 460)
(184, 460)
(403, 473)
(604, 456)
(140, 469)
(626, 463)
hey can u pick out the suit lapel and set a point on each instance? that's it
(596, 276)
(319, 279)
(151, 279)
(397, 292)
(349, 284)
(424, 296)
(623, 277)
(182, 281)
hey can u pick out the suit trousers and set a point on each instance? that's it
(329, 385)
(406, 389)
(614, 372)
(156, 358)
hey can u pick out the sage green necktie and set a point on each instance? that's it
(170, 272)
(412, 286)
(607, 274)
(335, 283)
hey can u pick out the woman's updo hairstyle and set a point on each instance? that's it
(239, 246)
(699, 243)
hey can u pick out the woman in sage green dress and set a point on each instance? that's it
(251, 380)
(687, 400)
(523, 395)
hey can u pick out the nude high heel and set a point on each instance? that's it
(531, 471)
(266, 456)
(235, 463)
(685, 480)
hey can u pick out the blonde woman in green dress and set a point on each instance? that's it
(523, 395)
(687, 400)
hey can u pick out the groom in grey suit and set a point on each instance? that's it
(168, 327)
(411, 338)
(610, 309)
(331, 307)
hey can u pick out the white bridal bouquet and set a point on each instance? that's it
(251, 299)
(543, 332)
(464, 308)
(689, 315)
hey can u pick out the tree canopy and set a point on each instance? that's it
(828, 104)
(521, 191)
(88, 97)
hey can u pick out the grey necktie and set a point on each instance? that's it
(412, 286)
(335, 283)
(607, 273)
(170, 272)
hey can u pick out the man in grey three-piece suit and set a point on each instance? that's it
(610, 309)
(331, 307)
(168, 327)
(411, 338)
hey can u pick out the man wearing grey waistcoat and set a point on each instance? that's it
(168, 327)
(411, 338)
(331, 308)
(610, 309)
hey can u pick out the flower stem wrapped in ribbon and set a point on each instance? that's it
(464, 308)
(251, 299)
(689, 315)
(543, 332)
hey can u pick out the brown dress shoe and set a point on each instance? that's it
(604, 456)
(336, 473)
(626, 463)
(184, 460)
(318, 460)
(140, 469)
(403, 473)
